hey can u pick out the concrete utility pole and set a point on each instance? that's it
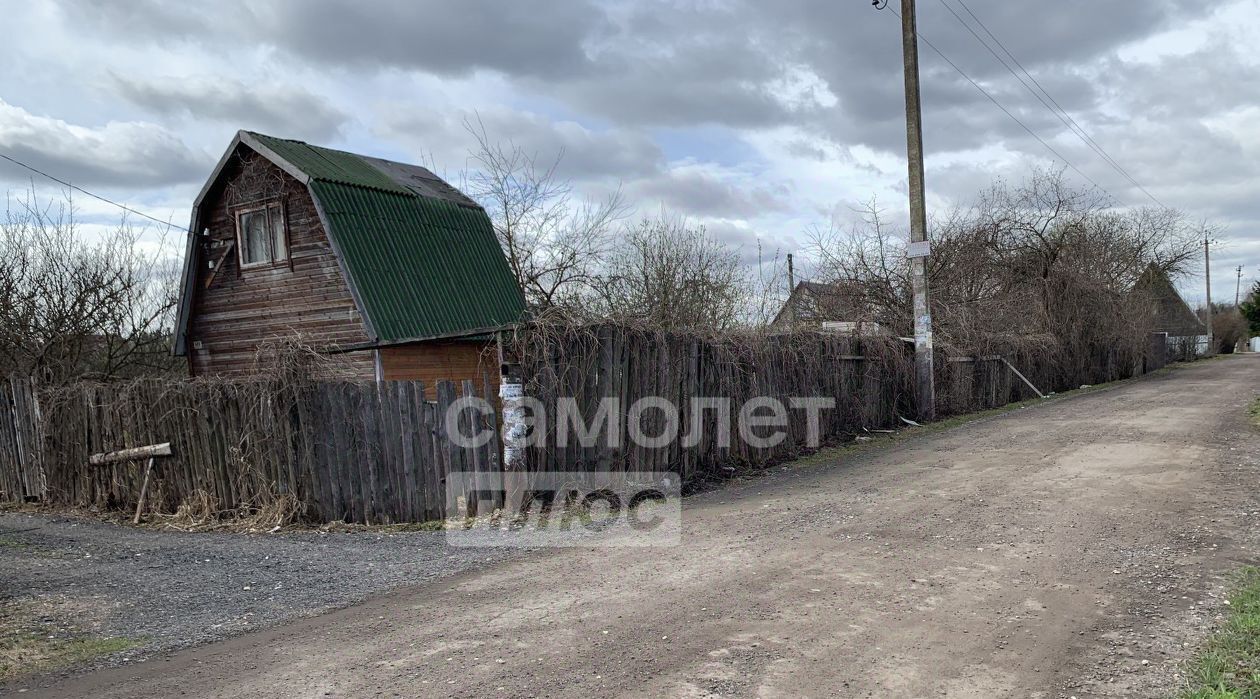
(919, 245)
(1207, 260)
(1238, 286)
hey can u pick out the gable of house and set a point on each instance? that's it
(1170, 313)
(416, 258)
(812, 304)
(232, 311)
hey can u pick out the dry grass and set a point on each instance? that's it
(40, 635)
(202, 512)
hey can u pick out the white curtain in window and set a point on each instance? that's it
(254, 242)
(279, 247)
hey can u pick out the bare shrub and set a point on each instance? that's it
(71, 309)
(1040, 264)
(671, 275)
(294, 360)
(1229, 327)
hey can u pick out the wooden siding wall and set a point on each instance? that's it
(431, 362)
(305, 295)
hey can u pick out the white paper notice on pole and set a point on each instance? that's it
(922, 248)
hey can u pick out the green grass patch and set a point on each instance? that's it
(29, 652)
(38, 636)
(1229, 667)
(1253, 412)
(8, 543)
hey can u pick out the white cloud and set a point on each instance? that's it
(128, 154)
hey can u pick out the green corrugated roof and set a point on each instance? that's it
(330, 165)
(421, 266)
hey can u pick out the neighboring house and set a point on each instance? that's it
(1186, 334)
(836, 308)
(381, 263)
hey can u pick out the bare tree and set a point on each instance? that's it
(1229, 327)
(1039, 264)
(553, 243)
(767, 289)
(865, 265)
(71, 309)
(670, 274)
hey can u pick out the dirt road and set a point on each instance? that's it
(1064, 550)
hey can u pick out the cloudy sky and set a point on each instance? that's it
(758, 119)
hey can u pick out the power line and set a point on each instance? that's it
(1040, 87)
(1006, 111)
(75, 187)
(1066, 122)
(1057, 109)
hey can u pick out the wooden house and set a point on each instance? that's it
(840, 308)
(1185, 335)
(379, 263)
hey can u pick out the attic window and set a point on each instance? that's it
(261, 235)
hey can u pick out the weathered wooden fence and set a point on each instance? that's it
(383, 453)
(356, 452)
(867, 379)
(1157, 353)
(21, 459)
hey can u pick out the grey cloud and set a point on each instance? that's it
(589, 157)
(518, 38)
(754, 249)
(863, 67)
(158, 21)
(631, 67)
(270, 107)
(436, 36)
(118, 154)
(1210, 80)
(696, 192)
(685, 63)
(587, 153)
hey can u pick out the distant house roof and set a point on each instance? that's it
(420, 258)
(1172, 314)
(813, 303)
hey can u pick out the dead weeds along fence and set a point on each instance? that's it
(870, 379)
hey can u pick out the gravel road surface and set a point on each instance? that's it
(168, 589)
(1077, 548)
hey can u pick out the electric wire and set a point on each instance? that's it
(1042, 94)
(77, 188)
(1006, 111)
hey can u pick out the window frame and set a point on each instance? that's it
(267, 207)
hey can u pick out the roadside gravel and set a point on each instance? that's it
(168, 589)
